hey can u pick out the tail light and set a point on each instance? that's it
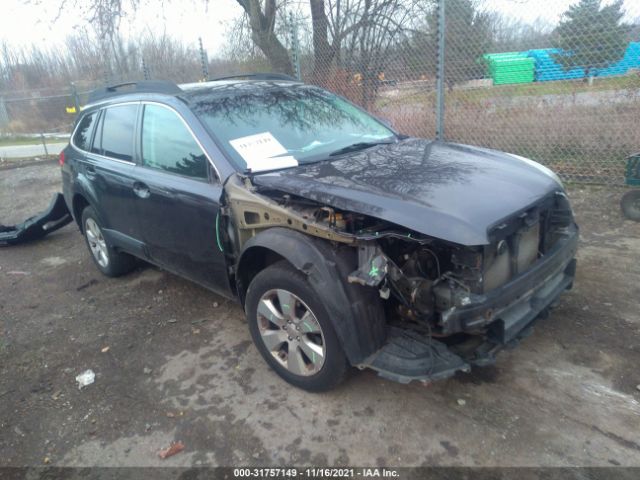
(61, 158)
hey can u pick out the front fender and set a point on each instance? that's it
(356, 312)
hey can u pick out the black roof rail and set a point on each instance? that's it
(146, 86)
(258, 76)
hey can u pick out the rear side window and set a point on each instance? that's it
(97, 138)
(83, 133)
(168, 145)
(116, 139)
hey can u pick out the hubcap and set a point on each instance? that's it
(291, 332)
(97, 245)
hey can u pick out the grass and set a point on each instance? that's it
(560, 87)
(477, 95)
(584, 143)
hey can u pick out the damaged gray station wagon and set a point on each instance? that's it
(346, 243)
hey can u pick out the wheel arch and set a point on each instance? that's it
(356, 312)
(78, 204)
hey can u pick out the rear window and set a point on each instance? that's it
(83, 133)
(117, 132)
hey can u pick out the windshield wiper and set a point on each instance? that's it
(357, 146)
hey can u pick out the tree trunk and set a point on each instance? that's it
(323, 51)
(275, 52)
(263, 35)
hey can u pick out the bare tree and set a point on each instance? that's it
(381, 30)
(262, 21)
(104, 17)
(335, 22)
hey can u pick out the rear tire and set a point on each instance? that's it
(292, 329)
(630, 204)
(109, 261)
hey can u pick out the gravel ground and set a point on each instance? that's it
(175, 362)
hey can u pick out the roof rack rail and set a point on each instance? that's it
(258, 76)
(146, 86)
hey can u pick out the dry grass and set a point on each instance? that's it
(581, 142)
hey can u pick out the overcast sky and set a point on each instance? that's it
(23, 23)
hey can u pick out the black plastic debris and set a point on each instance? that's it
(408, 356)
(52, 219)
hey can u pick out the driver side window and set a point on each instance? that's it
(168, 145)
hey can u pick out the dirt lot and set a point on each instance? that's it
(180, 365)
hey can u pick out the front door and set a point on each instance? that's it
(178, 200)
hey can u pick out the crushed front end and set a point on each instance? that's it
(454, 306)
(448, 306)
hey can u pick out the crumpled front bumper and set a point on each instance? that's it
(508, 309)
(499, 319)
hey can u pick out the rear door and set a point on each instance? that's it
(109, 167)
(178, 199)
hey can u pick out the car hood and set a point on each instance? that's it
(448, 191)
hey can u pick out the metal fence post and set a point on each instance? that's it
(145, 70)
(4, 115)
(295, 54)
(76, 100)
(44, 144)
(440, 80)
(204, 61)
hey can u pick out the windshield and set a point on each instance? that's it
(279, 127)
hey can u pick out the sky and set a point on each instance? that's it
(24, 23)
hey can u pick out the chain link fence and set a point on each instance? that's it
(565, 94)
(38, 122)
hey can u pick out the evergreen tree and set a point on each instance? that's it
(591, 36)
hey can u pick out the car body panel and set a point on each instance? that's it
(56, 216)
(448, 191)
(111, 183)
(178, 221)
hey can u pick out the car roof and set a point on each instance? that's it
(193, 93)
(188, 92)
(170, 88)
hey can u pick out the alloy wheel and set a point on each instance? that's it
(97, 244)
(291, 332)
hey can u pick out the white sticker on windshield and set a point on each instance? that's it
(263, 151)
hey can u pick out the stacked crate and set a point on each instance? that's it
(510, 67)
(548, 69)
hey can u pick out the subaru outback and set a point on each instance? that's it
(346, 243)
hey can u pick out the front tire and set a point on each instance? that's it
(292, 329)
(630, 204)
(109, 261)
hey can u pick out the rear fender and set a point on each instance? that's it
(84, 188)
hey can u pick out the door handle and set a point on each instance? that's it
(141, 190)
(90, 172)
